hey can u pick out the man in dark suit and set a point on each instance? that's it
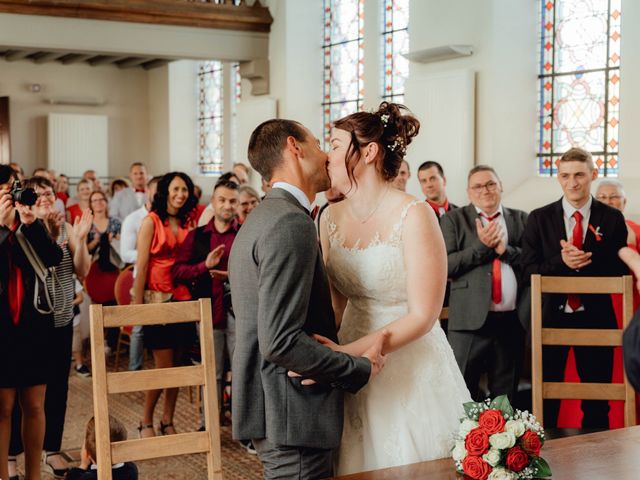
(576, 236)
(433, 184)
(483, 243)
(281, 297)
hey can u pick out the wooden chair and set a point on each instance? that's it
(122, 292)
(100, 285)
(105, 384)
(579, 337)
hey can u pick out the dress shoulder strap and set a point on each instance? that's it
(396, 235)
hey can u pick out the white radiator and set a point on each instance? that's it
(77, 143)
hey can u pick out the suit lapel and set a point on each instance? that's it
(558, 222)
(595, 220)
(510, 221)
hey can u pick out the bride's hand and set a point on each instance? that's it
(327, 342)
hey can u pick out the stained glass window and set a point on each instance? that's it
(343, 60)
(579, 82)
(395, 41)
(210, 121)
(212, 134)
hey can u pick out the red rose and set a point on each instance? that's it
(492, 421)
(531, 443)
(517, 459)
(476, 468)
(477, 442)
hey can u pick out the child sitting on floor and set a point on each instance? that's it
(88, 469)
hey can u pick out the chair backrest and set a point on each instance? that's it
(120, 382)
(123, 285)
(99, 285)
(579, 337)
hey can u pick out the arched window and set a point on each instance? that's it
(579, 82)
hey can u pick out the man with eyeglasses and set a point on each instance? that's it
(611, 192)
(576, 236)
(484, 241)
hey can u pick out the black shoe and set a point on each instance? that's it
(248, 445)
(56, 472)
(82, 371)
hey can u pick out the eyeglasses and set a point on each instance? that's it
(48, 194)
(490, 186)
(98, 200)
(609, 197)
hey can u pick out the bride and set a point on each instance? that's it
(386, 262)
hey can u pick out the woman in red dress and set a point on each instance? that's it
(161, 233)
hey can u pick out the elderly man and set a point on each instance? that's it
(611, 192)
(484, 242)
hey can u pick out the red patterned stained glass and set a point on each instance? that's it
(579, 81)
(343, 60)
(395, 42)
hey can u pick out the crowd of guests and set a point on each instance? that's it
(180, 248)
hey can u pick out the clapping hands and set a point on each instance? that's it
(54, 220)
(491, 235)
(82, 225)
(573, 257)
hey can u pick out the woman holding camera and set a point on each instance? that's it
(161, 234)
(75, 259)
(26, 322)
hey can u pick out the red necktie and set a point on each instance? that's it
(314, 212)
(496, 281)
(574, 300)
(436, 207)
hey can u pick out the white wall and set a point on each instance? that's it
(123, 91)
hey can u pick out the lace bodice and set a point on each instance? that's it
(371, 276)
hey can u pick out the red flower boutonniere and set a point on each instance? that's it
(596, 232)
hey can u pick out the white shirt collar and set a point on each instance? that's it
(499, 209)
(569, 209)
(296, 192)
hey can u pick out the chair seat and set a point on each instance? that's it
(99, 285)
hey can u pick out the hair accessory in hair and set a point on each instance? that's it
(385, 119)
(398, 144)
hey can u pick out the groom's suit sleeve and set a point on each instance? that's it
(286, 256)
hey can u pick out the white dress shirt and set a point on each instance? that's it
(129, 234)
(296, 192)
(569, 223)
(509, 282)
(125, 202)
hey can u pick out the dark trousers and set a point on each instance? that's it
(55, 403)
(293, 463)
(594, 364)
(497, 348)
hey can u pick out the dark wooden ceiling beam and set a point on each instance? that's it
(131, 62)
(71, 58)
(158, 62)
(49, 57)
(104, 60)
(16, 55)
(166, 12)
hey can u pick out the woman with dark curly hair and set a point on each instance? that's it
(161, 234)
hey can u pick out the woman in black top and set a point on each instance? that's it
(25, 327)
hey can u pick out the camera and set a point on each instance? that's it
(25, 196)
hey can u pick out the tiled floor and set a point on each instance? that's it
(236, 462)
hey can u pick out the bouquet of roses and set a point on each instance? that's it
(496, 442)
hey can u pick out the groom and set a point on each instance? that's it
(280, 298)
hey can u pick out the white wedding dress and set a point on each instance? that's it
(411, 410)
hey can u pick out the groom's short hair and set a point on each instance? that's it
(268, 141)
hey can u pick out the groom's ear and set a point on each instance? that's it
(293, 147)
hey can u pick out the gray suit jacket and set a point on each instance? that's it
(469, 265)
(280, 297)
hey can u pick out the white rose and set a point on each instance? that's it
(467, 425)
(501, 474)
(515, 426)
(492, 457)
(459, 452)
(502, 440)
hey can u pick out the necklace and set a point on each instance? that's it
(375, 209)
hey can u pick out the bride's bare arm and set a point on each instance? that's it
(425, 260)
(338, 301)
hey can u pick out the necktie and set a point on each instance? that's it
(574, 300)
(496, 269)
(314, 212)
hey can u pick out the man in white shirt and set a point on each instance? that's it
(129, 254)
(484, 242)
(130, 199)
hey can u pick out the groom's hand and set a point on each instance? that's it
(375, 355)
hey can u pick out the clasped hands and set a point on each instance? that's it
(573, 257)
(373, 354)
(491, 235)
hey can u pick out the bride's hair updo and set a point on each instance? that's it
(389, 128)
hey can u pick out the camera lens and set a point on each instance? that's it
(26, 196)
